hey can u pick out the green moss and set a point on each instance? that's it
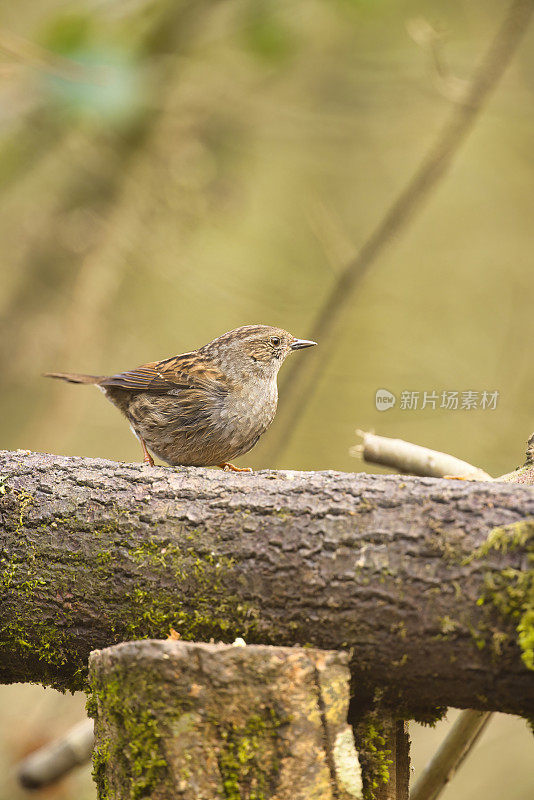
(91, 705)
(365, 506)
(131, 733)
(399, 629)
(249, 757)
(137, 744)
(511, 590)
(25, 499)
(101, 758)
(432, 717)
(104, 557)
(282, 513)
(22, 498)
(508, 538)
(26, 635)
(525, 630)
(208, 610)
(188, 589)
(447, 625)
(375, 757)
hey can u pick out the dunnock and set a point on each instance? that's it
(206, 407)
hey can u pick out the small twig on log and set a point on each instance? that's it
(196, 720)
(450, 755)
(413, 459)
(301, 376)
(52, 762)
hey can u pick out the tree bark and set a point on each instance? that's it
(94, 552)
(187, 720)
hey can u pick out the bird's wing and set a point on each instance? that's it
(190, 371)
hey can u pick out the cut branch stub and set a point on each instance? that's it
(185, 720)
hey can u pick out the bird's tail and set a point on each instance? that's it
(73, 377)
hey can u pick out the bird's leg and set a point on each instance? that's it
(227, 467)
(147, 458)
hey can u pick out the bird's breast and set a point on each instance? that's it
(251, 409)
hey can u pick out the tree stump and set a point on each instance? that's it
(204, 722)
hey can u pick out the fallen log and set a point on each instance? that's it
(395, 569)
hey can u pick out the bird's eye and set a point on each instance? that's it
(275, 341)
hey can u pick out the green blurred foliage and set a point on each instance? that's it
(173, 170)
(219, 166)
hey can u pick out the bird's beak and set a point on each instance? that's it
(298, 344)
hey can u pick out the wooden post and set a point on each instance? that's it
(383, 747)
(398, 743)
(204, 722)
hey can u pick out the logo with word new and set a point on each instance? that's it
(384, 400)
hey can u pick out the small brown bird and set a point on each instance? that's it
(206, 407)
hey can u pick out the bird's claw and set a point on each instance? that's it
(227, 467)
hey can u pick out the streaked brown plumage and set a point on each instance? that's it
(206, 407)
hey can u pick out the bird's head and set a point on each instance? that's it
(253, 350)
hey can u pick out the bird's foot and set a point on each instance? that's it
(147, 458)
(227, 467)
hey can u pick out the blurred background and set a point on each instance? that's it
(172, 169)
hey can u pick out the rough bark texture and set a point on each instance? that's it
(189, 721)
(95, 552)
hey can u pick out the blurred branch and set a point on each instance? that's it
(103, 183)
(101, 272)
(56, 759)
(450, 754)
(33, 55)
(431, 41)
(413, 459)
(301, 377)
(336, 245)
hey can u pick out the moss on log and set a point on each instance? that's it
(94, 552)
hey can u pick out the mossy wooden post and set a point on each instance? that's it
(383, 746)
(397, 744)
(202, 721)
